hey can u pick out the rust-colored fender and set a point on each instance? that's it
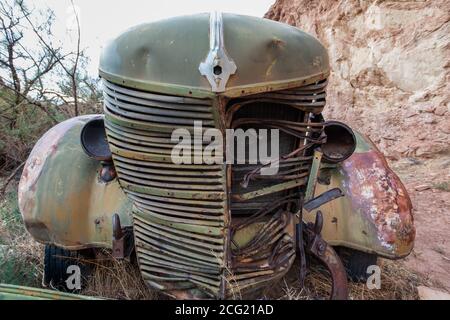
(375, 215)
(61, 198)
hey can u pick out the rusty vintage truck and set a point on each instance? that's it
(202, 230)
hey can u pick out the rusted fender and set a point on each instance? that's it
(62, 199)
(376, 191)
(11, 292)
(375, 215)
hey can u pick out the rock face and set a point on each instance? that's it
(390, 65)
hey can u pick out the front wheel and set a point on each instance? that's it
(65, 270)
(356, 263)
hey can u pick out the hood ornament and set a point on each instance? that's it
(218, 66)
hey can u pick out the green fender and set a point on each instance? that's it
(61, 198)
(10, 292)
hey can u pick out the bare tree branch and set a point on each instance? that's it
(10, 178)
(29, 70)
(71, 72)
(77, 57)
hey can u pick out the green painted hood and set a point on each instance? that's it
(164, 56)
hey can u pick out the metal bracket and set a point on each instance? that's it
(323, 198)
(319, 248)
(218, 66)
(122, 240)
(315, 166)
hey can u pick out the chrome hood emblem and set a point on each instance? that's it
(218, 66)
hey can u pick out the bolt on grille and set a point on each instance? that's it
(178, 209)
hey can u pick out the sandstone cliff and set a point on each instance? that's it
(390, 65)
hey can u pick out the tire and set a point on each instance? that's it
(356, 263)
(56, 263)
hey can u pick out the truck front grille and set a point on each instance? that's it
(178, 209)
(188, 216)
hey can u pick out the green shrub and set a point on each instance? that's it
(20, 256)
(443, 186)
(14, 269)
(10, 217)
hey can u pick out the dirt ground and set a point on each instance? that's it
(428, 184)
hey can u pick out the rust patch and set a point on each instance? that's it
(378, 193)
(44, 148)
(39, 230)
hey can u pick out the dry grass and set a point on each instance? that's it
(121, 280)
(397, 283)
(21, 258)
(116, 279)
